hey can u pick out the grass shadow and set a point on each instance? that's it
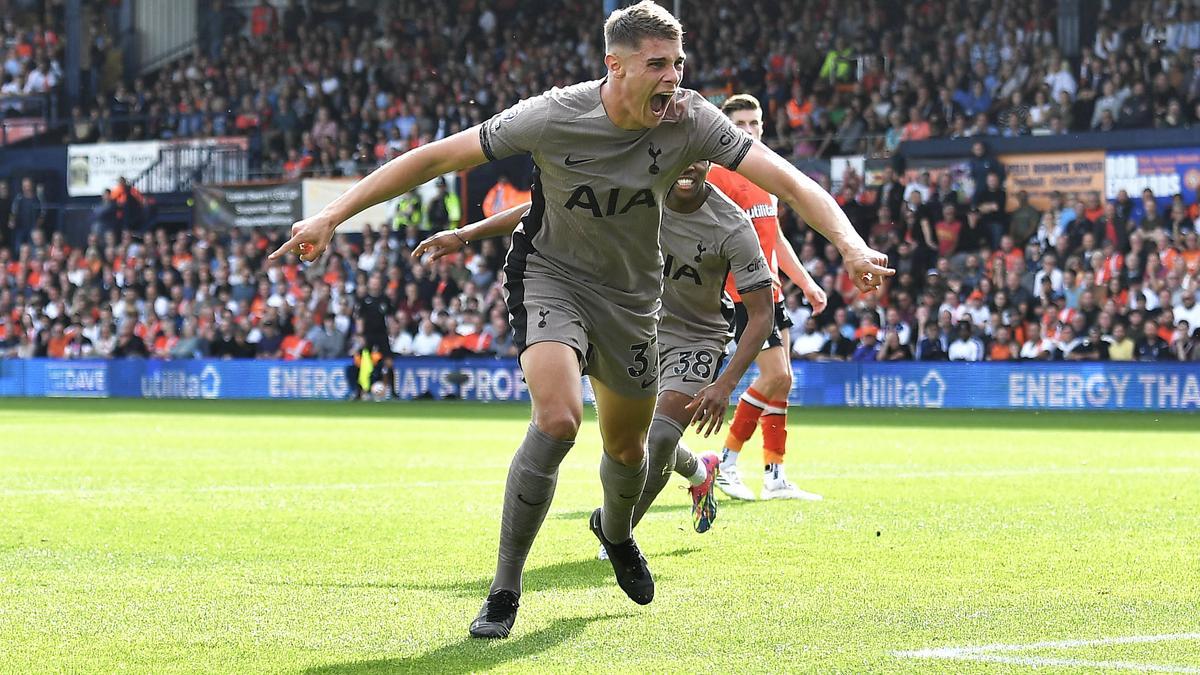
(573, 575)
(469, 655)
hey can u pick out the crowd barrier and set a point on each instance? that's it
(1033, 386)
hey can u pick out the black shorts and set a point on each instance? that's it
(775, 339)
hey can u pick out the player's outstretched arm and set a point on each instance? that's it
(460, 151)
(774, 174)
(451, 241)
(790, 263)
(711, 403)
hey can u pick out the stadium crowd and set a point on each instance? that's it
(336, 87)
(977, 278)
(975, 281)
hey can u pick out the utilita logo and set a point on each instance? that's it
(894, 391)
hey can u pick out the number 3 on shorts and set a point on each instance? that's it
(641, 364)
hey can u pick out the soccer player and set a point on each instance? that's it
(584, 273)
(766, 400)
(704, 238)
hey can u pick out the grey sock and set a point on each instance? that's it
(527, 494)
(622, 489)
(687, 463)
(660, 448)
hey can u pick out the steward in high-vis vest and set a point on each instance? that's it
(408, 212)
(444, 211)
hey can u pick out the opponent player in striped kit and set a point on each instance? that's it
(766, 401)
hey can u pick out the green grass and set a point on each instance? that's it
(339, 538)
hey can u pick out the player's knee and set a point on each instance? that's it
(561, 422)
(779, 384)
(661, 442)
(632, 455)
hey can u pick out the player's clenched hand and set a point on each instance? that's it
(309, 238)
(867, 268)
(708, 408)
(439, 245)
(816, 298)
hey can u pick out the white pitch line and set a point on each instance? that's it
(1000, 653)
(1083, 663)
(1005, 473)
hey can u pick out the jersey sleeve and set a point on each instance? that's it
(715, 137)
(517, 130)
(747, 264)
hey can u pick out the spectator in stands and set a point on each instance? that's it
(7, 226)
(932, 346)
(837, 346)
(443, 210)
(328, 342)
(427, 340)
(1152, 347)
(808, 339)
(26, 214)
(990, 202)
(868, 346)
(1187, 309)
(1120, 347)
(965, 346)
(270, 343)
(893, 349)
(129, 343)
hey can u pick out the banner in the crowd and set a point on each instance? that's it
(1042, 174)
(319, 192)
(958, 170)
(1032, 386)
(838, 166)
(264, 205)
(1165, 172)
(94, 167)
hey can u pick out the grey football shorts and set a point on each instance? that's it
(616, 345)
(688, 368)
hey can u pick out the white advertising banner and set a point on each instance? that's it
(94, 167)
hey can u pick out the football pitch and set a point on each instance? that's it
(247, 537)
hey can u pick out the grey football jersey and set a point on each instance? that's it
(598, 189)
(701, 249)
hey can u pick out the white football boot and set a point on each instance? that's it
(777, 486)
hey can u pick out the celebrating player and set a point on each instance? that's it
(767, 397)
(584, 273)
(704, 237)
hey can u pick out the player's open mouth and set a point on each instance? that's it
(685, 183)
(658, 102)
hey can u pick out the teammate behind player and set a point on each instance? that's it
(767, 397)
(704, 237)
(585, 272)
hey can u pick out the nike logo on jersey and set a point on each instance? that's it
(569, 162)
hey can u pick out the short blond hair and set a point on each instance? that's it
(647, 19)
(740, 102)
